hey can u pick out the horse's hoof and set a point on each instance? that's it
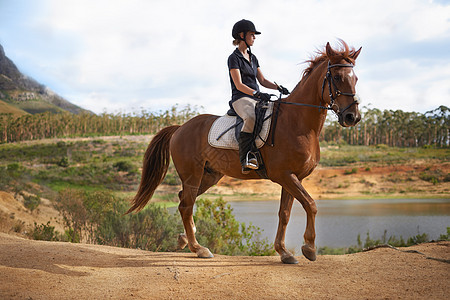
(289, 259)
(204, 253)
(309, 253)
(182, 241)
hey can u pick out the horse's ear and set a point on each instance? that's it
(355, 55)
(330, 51)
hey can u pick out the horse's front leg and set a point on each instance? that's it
(283, 219)
(294, 186)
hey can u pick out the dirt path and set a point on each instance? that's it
(56, 270)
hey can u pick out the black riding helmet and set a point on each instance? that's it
(243, 26)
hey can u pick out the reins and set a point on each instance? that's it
(280, 100)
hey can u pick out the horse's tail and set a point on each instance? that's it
(156, 163)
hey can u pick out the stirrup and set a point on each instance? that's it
(251, 162)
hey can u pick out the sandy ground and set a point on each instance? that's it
(56, 270)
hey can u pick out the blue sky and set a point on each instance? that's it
(124, 56)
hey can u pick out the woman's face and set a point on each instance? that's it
(250, 38)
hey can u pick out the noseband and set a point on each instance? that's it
(329, 79)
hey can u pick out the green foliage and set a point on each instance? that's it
(382, 128)
(124, 166)
(434, 176)
(99, 217)
(370, 242)
(64, 162)
(445, 237)
(390, 128)
(153, 228)
(45, 232)
(418, 239)
(221, 233)
(95, 164)
(352, 171)
(31, 201)
(71, 236)
(337, 251)
(171, 179)
(45, 153)
(53, 125)
(61, 144)
(15, 170)
(83, 164)
(82, 211)
(70, 203)
(346, 155)
(5, 179)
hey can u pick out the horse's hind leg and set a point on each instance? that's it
(209, 179)
(186, 207)
(283, 219)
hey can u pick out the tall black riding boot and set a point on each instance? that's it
(248, 159)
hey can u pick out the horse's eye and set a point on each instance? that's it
(337, 77)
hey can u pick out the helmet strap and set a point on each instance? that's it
(249, 50)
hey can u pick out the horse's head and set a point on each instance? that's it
(340, 81)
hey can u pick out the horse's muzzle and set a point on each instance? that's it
(349, 119)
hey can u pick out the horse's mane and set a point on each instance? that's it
(344, 52)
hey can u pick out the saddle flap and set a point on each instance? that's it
(222, 133)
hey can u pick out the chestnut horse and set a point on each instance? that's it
(328, 83)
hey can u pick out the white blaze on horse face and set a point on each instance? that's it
(351, 73)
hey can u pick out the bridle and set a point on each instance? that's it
(332, 105)
(329, 79)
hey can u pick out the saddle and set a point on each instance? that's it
(225, 131)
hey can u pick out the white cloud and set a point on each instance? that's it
(123, 55)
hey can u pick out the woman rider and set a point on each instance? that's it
(244, 70)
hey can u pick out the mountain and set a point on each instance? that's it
(20, 94)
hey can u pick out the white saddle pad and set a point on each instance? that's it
(228, 140)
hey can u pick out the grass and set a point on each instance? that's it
(347, 155)
(6, 108)
(114, 165)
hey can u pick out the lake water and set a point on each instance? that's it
(339, 222)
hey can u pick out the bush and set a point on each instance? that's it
(63, 162)
(31, 201)
(433, 176)
(5, 179)
(82, 211)
(18, 226)
(221, 233)
(153, 228)
(61, 144)
(418, 239)
(171, 179)
(445, 237)
(124, 166)
(352, 171)
(70, 205)
(15, 170)
(44, 232)
(98, 217)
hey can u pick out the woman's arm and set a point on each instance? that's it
(264, 82)
(236, 76)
